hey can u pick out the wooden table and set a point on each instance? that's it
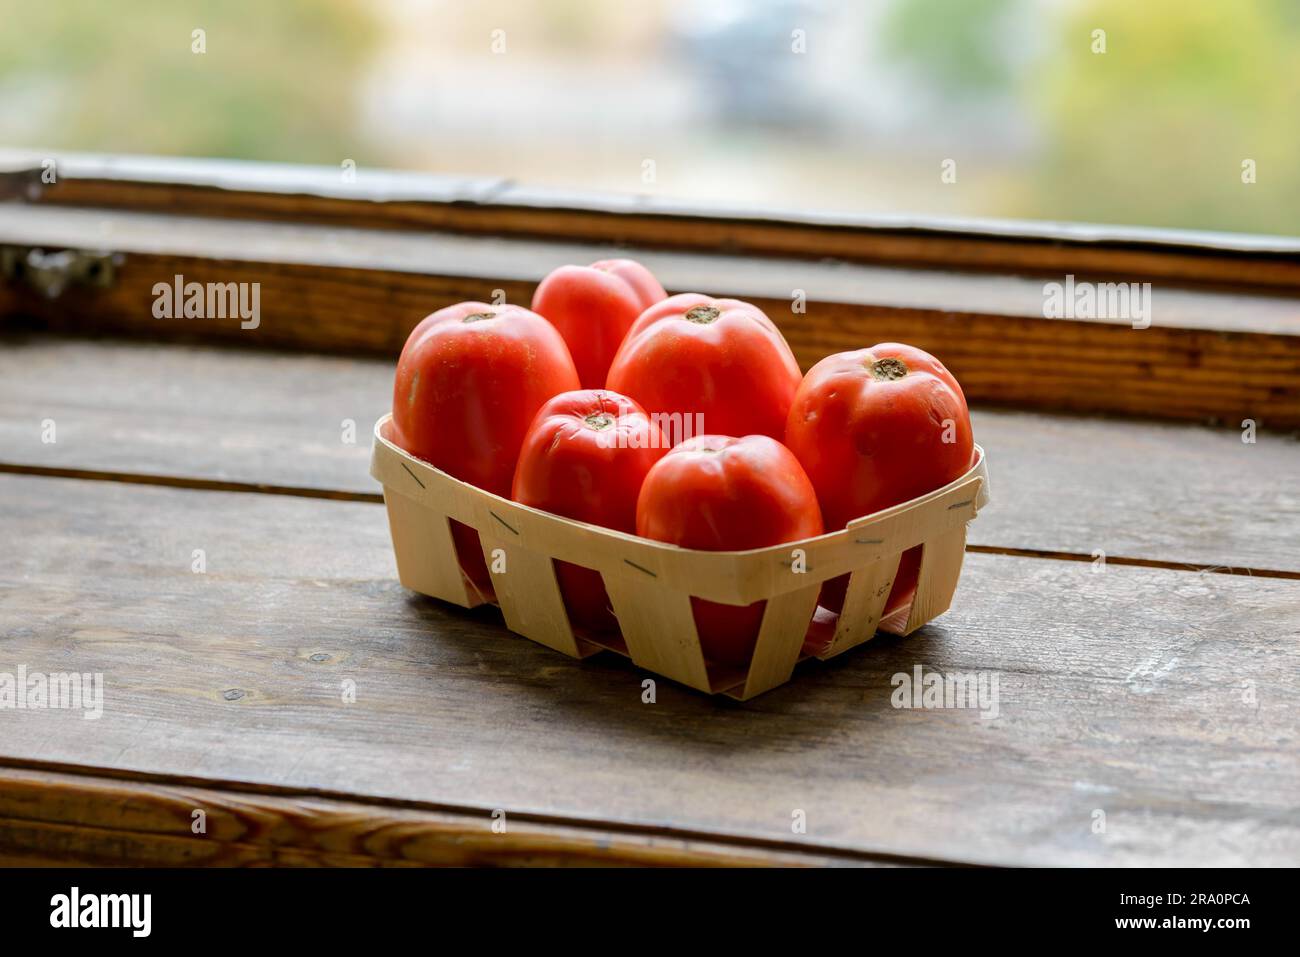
(203, 532)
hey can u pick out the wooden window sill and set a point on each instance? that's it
(1156, 685)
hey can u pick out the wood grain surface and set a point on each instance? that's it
(1157, 703)
(92, 820)
(1207, 354)
(1147, 491)
(499, 207)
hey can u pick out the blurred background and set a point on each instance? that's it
(772, 103)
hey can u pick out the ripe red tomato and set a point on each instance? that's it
(470, 379)
(874, 428)
(721, 358)
(593, 307)
(585, 457)
(718, 493)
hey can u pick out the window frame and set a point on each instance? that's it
(350, 266)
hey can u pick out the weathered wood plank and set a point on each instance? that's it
(148, 242)
(408, 200)
(1105, 488)
(1142, 490)
(1164, 700)
(97, 821)
(1206, 354)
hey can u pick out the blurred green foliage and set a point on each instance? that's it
(1152, 131)
(1155, 130)
(277, 82)
(957, 46)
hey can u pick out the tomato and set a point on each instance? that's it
(721, 358)
(719, 493)
(593, 307)
(874, 428)
(470, 379)
(585, 457)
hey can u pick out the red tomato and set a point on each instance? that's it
(718, 493)
(875, 428)
(585, 457)
(721, 358)
(470, 379)
(593, 307)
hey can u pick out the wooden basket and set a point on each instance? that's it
(650, 584)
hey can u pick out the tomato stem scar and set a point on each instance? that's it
(702, 314)
(888, 369)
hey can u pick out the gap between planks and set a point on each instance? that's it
(376, 498)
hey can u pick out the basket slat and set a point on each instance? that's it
(941, 560)
(780, 639)
(659, 629)
(863, 604)
(529, 594)
(426, 553)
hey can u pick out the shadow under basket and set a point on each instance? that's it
(650, 584)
